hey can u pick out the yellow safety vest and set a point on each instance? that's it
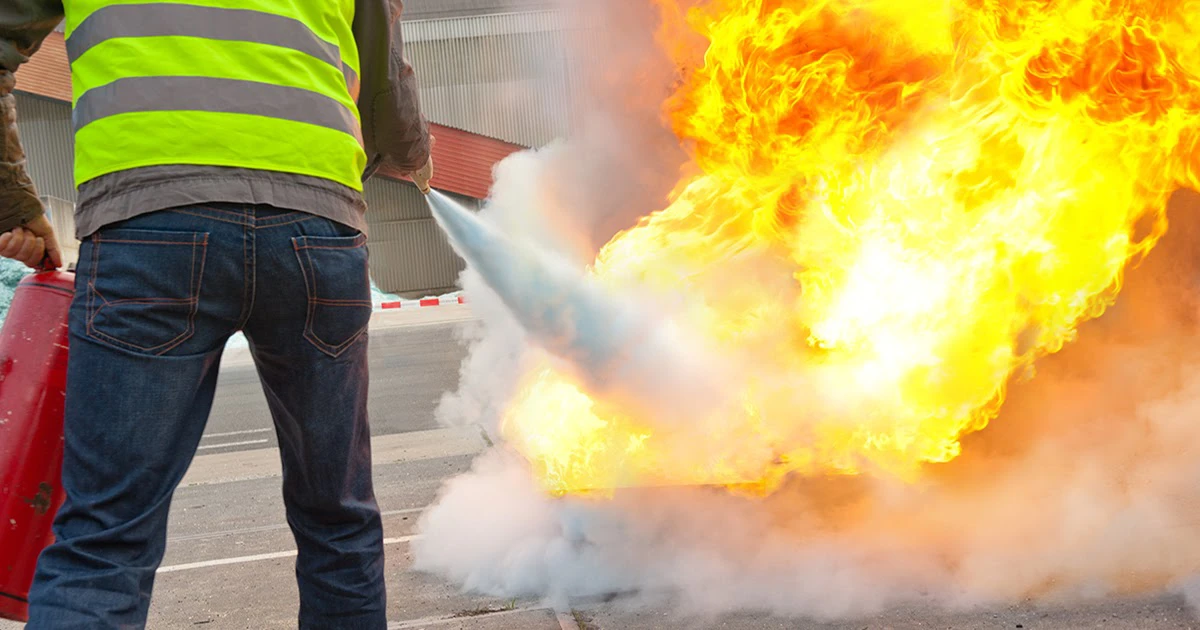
(209, 82)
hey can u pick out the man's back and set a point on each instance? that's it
(275, 102)
(221, 148)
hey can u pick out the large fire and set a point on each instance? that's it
(894, 208)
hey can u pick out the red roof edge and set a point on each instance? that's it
(463, 162)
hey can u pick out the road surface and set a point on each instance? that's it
(229, 562)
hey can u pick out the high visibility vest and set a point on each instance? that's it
(210, 82)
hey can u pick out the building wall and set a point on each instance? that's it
(410, 255)
(62, 217)
(45, 128)
(427, 9)
(503, 76)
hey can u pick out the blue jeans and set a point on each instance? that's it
(157, 297)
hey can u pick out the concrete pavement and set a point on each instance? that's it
(1151, 613)
(230, 564)
(230, 555)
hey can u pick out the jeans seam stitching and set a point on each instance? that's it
(310, 286)
(287, 217)
(308, 319)
(358, 241)
(248, 286)
(231, 213)
(356, 245)
(292, 222)
(140, 242)
(204, 216)
(339, 350)
(194, 285)
(92, 291)
(210, 208)
(325, 302)
(310, 328)
(199, 281)
(131, 346)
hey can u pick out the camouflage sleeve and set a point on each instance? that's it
(395, 133)
(24, 24)
(19, 201)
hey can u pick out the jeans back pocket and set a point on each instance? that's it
(143, 287)
(338, 280)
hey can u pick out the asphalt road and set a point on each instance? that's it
(230, 565)
(230, 556)
(413, 361)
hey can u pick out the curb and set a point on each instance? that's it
(424, 303)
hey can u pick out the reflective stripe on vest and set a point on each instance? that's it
(211, 84)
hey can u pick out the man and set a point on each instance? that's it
(219, 155)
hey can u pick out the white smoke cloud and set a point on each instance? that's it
(1086, 484)
(569, 198)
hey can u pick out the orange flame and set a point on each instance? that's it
(897, 206)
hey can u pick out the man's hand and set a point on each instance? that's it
(422, 175)
(32, 243)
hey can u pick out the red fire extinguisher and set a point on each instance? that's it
(33, 379)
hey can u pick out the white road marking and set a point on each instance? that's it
(232, 433)
(224, 561)
(228, 444)
(259, 557)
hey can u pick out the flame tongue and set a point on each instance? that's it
(899, 205)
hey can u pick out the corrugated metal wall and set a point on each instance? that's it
(62, 217)
(45, 128)
(409, 252)
(427, 9)
(503, 76)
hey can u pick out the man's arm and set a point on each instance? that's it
(25, 232)
(19, 202)
(394, 130)
(24, 24)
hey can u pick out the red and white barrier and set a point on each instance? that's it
(426, 302)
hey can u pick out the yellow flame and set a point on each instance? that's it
(898, 205)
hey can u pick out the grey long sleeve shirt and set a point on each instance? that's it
(394, 134)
